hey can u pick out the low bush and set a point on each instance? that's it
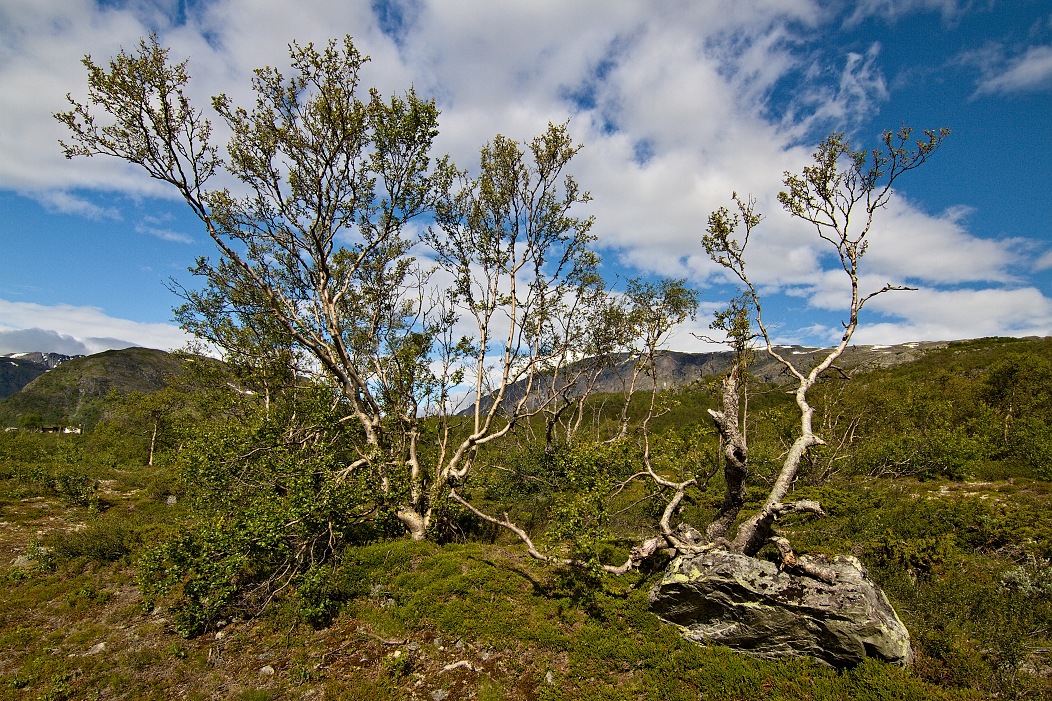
(966, 567)
(103, 540)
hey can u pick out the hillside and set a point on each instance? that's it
(72, 393)
(942, 488)
(679, 369)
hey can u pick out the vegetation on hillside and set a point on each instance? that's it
(75, 393)
(170, 566)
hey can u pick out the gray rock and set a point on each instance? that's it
(722, 598)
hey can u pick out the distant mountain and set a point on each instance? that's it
(19, 369)
(676, 369)
(73, 392)
(50, 360)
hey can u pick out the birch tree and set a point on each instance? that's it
(337, 245)
(839, 195)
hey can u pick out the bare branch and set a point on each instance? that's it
(639, 553)
(802, 565)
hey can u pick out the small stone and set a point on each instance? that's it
(267, 671)
(171, 500)
(97, 648)
(549, 678)
(22, 561)
(438, 643)
(413, 646)
(439, 694)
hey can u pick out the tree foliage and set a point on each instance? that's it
(391, 319)
(839, 195)
(328, 266)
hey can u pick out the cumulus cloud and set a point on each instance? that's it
(673, 103)
(48, 341)
(1030, 71)
(79, 329)
(908, 244)
(932, 314)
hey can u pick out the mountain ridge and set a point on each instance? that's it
(677, 369)
(74, 391)
(19, 369)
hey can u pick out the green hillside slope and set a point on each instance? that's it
(73, 392)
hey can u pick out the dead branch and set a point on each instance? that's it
(807, 567)
(462, 664)
(639, 553)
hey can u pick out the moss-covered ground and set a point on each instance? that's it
(478, 620)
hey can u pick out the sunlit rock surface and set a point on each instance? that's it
(722, 598)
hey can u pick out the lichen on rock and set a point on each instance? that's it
(724, 598)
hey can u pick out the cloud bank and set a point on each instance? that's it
(72, 330)
(677, 103)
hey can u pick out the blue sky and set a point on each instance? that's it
(677, 103)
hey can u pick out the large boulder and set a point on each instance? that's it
(722, 598)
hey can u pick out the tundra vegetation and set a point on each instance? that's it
(342, 503)
(169, 565)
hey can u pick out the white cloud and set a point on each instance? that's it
(1043, 262)
(155, 226)
(948, 315)
(861, 86)
(41, 44)
(1028, 72)
(69, 203)
(47, 341)
(908, 244)
(670, 98)
(894, 10)
(66, 326)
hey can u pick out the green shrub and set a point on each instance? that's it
(197, 575)
(102, 541)
(76, 488)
